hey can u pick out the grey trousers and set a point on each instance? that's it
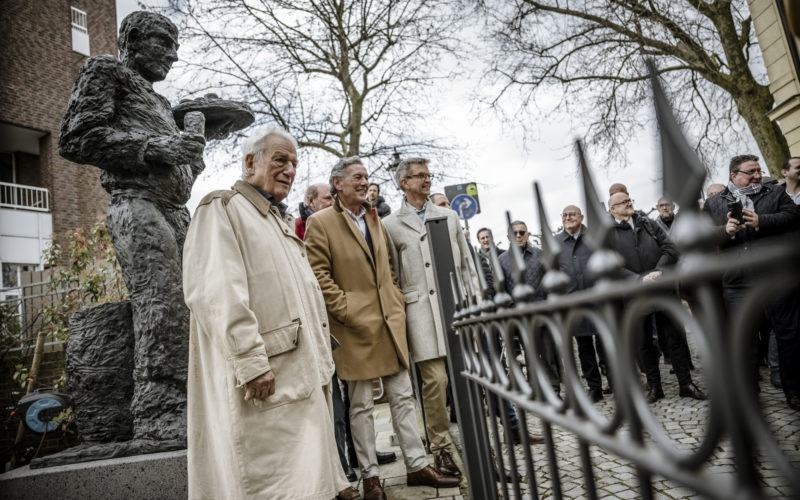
(397, 388)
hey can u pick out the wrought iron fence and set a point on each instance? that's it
(495, 346)
(23, 313)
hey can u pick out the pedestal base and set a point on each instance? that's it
(158, 475)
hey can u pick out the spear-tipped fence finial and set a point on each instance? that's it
(604, 262)
(683, 174)
(554, 280)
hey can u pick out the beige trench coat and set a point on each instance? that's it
(256, 306)
(365, 305)
(411, 255)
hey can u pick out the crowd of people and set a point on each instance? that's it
(292, 322)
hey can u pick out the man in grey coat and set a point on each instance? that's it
(425, 325)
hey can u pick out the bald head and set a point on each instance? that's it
(714, 189)
(318, 197)
(617, 187)
(571, 218)
(620, 206)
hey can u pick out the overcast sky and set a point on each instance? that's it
(503, 163)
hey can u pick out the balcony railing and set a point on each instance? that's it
(24, 197)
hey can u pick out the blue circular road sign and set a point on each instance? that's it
(464, 205)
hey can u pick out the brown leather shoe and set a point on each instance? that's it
(373, 489)
(429, 477)
(444, 464)
(349, 493)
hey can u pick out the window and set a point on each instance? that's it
(80, 32)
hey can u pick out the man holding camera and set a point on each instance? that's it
(745, 212)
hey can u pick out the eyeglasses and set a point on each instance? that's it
(422, 177)
(520, 233)
(751, 173)
(623, 202)
(664, 205)
(566, 215)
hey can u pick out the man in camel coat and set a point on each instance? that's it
(348, 250)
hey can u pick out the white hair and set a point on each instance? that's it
(254, 143)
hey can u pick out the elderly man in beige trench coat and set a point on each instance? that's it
(348, 250)
(260, 422)
(425, 325)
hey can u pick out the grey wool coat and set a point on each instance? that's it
(411, 256)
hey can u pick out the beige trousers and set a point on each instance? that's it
(434, 401)
(397, 388)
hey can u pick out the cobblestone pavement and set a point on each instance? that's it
(683, 418)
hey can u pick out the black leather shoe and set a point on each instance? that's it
(691, 391)
(351, 475)
(386, 457)
(444, 463)
(654, 394)
(596, 395)
(793, 402)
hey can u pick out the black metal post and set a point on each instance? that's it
(469, 411)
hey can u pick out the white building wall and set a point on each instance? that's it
(24, 235)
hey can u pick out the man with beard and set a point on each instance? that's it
(666, 214)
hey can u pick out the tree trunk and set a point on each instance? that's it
(753, 106)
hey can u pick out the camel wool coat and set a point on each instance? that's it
(365, 305)
(411, 255)
(256, 306)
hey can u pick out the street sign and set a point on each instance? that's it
(469, 188)
(465, 206)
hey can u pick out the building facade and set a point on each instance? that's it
(42, 47)
(776, 23)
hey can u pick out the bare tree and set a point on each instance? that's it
(594, 51)
(345, 77)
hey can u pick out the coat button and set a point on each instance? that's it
(431, 292)
(422, 238)
(302, 254)
(427, 264)
(324, 325)
(386, 318)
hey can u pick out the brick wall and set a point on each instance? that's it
(39, 69)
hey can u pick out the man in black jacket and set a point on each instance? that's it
(647, 251)
(377, 201)
(572, 260)
(767, 211)
(534, 272)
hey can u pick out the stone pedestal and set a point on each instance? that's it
(155, 476)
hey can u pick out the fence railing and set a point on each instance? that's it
(496, 349)
(24, 197)
(23, 309)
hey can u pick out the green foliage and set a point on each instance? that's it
(84, 271)
(10, 329)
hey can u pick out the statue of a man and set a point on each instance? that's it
(117, 122)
